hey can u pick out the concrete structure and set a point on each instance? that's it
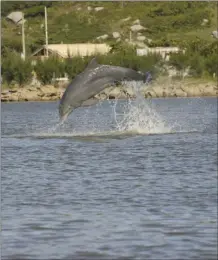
(66, 50)
(163, 51)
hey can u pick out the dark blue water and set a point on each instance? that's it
(93, 191)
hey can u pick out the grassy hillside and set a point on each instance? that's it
(167, 23)
(184, 24)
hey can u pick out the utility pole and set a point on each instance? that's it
(23, 38)
(46, 32)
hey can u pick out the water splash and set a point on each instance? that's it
(139, 115)
(129, 117)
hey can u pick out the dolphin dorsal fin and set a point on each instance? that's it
(93, 64)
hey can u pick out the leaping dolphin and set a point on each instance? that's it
(95, 78)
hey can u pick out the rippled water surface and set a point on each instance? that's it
(117, 181)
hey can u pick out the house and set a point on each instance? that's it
(163, 51)
(66, 50)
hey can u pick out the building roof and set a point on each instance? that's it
(77, 49)
(16, 17)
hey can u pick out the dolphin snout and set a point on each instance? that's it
(63, 119)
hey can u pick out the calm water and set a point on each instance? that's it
(131, 181)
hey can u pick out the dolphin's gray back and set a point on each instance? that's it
(75, 87)
(115, 73)
(93, 80)
(105, 75)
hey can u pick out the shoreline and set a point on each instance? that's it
(161, 88)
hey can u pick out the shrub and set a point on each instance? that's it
(74, 65)
(14, 68)
(48, 69)
(200, 57)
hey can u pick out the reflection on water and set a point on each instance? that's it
(125, 180)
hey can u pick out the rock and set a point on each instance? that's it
(178, 92)
(215, 34)
(97, 9)
(204, 22)
(150, 93)
(12, 90)
(35, 82)
(149, 40)
(48, 90)
(136, 21)
(126, 19)
(5, 93)
(192, 91)
(13, 98)
(129, 92)
(101, 96)
(208, 90)
(141, 38)
(102, 37)
(114, 93)
(159, 88)
(137, 27)
(31, 88)
(29, 93)
(45, 99)
(89, 8)
(61, 92)
(140, 44)
(116, 35)
(24, 94)
(159, 91)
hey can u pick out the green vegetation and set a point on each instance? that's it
(200, 57)
(54, 67)
(15, 70)
(167, 24)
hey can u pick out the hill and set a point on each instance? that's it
(184, 24)
(166, 23)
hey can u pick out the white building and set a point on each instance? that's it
(163, 51)
(77, 49)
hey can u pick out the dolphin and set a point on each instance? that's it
(95, 78)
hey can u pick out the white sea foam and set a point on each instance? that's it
(139, 115)
(132, 117)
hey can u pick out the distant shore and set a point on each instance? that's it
(158, 89)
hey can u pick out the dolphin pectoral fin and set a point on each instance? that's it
(89, 102)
